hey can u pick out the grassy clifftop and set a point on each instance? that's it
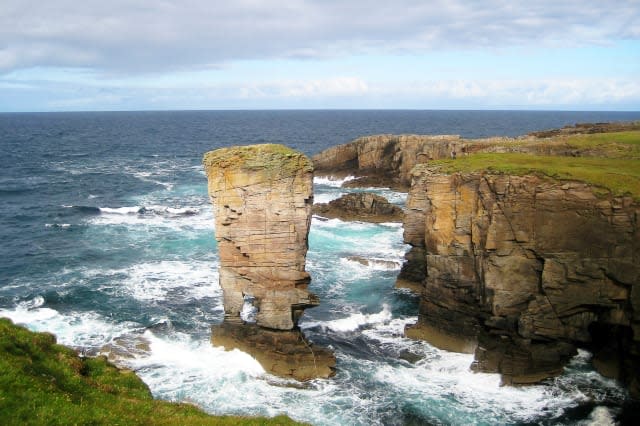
(45, 383)
(613, 162)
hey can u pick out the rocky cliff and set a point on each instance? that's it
(387, 160)
(521, 270)
(262, 197)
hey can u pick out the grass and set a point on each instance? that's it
(615, 144)
(618, 175)
(42, 383)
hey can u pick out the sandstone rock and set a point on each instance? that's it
(387, 159)
(526, 266)
(262, 197)
(363, 206)
(282, 353)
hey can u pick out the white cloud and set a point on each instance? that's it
(542, 93)
(141, 36)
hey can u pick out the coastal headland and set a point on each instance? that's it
(522, 249)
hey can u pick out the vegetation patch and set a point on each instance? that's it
(273, 158)
(45, 383)
(618, 175)
(616, 144)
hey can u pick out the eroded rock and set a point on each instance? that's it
(525, 268)
(360, 206)
(262, 197)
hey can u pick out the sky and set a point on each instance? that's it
(64, 55)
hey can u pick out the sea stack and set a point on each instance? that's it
(262, 197)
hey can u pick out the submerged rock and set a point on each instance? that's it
(362, 206)
(262, 197)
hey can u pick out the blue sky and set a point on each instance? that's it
(65, 55)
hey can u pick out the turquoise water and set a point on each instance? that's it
(108, 239)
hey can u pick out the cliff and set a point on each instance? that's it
(521, 269)
(262, 197)
(523, 249)
(387, 160)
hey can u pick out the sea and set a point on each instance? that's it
(107, 240)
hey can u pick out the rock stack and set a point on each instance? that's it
(262, 197)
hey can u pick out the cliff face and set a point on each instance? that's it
(522, 269)
(262, 197)
(387, 160)
(262, 211)
(389, 157)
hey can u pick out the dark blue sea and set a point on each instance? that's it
(107, 240)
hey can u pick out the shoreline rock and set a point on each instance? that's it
(361, 206)
(528, 267)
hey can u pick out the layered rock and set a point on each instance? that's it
(522, 270)
(262, 197)
(387, 160)
(363, 206)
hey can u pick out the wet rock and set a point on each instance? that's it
(360, 206)
(284, 353)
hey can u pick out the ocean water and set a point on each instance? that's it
(108, 242)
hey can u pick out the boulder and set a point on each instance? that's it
(362, 206)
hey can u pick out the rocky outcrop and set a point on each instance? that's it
(521, 270)
(262, 197)
(362, 206)
(588, 128)
(387, 160)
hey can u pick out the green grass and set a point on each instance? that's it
(618, 175)
(615, 144)
(42, 383)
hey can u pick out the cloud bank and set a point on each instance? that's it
(135, 36)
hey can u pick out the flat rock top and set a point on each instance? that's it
(279, 159)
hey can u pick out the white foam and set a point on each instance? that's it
(331, 180)
(354, 321)
(57, 225)
(156, 281)
(76, 329)
(249, 312)
(121, 210)
(372, 264)
(326, 197)
(178, 218)
(600, 416)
